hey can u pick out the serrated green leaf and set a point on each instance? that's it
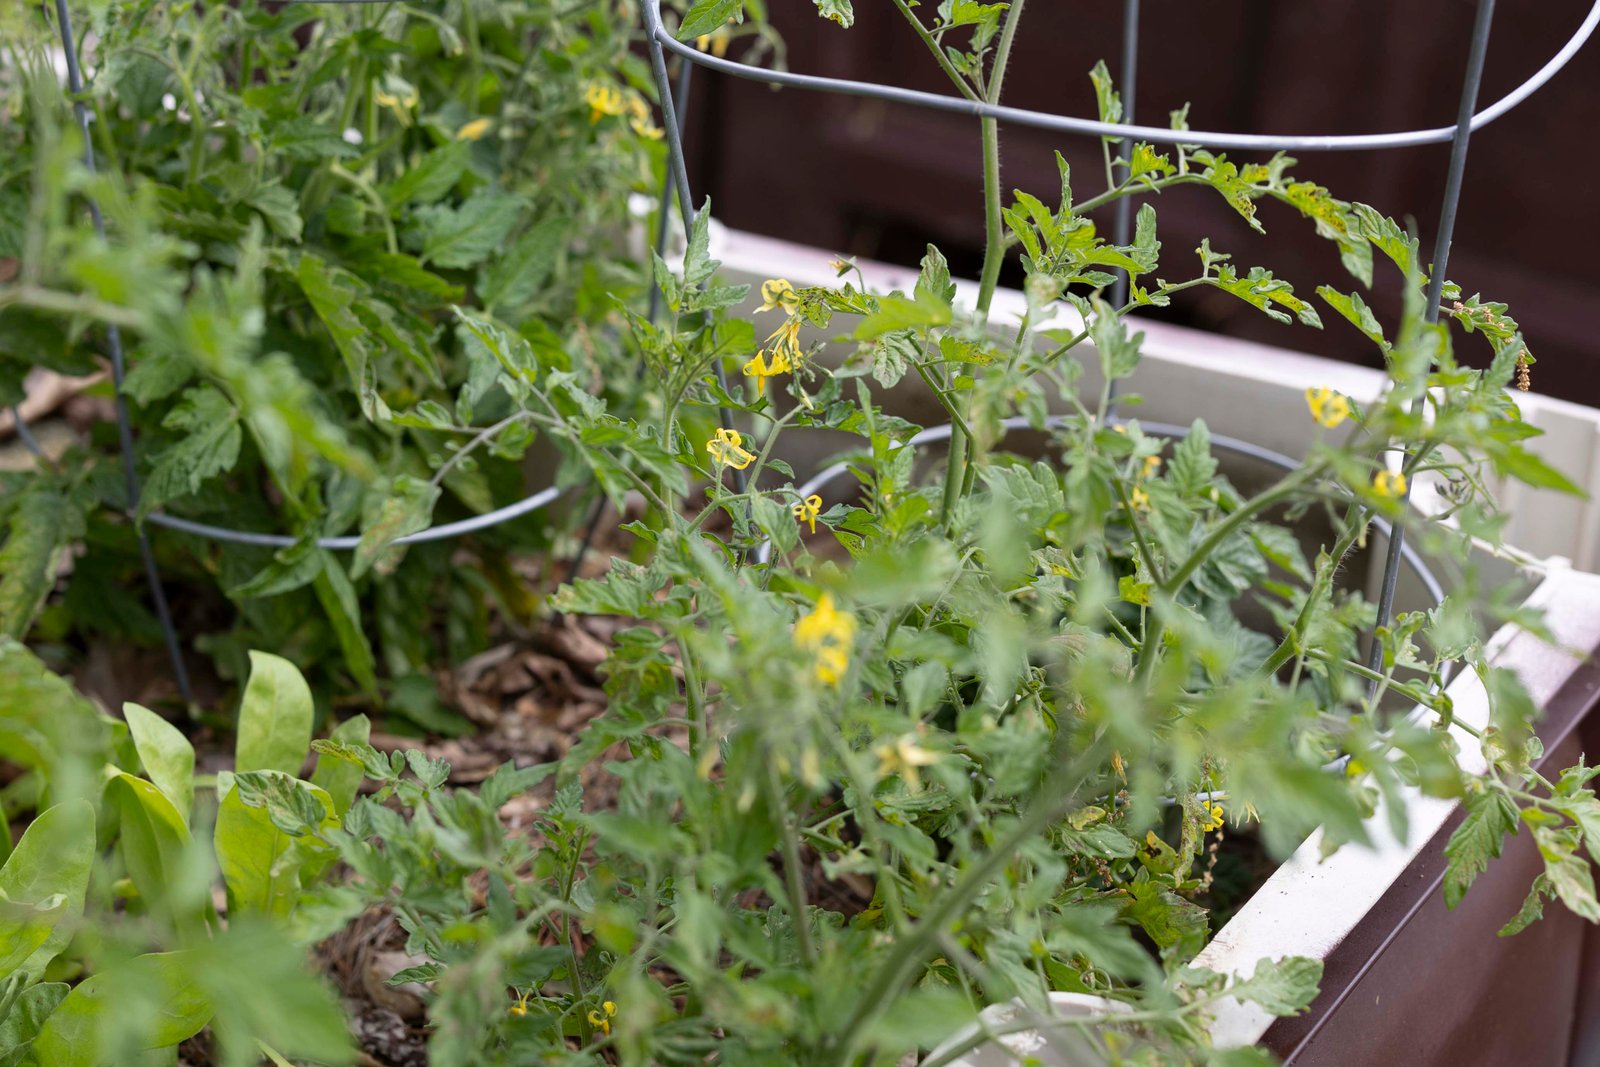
(209, 446)
(343, 608)
(1283, 987)
(705, 16)
(1490, 816)
(42, 526)
(406, 508)
(465, 236)
(518, 276)
(433, 176)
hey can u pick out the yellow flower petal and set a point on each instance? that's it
(1389, 483)
(1328, 408)
(473, 130)
(726, 448)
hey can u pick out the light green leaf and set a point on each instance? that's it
(167, 756)
(340, 777)
(1356, 311)
(153, 840)
(838, 11)
(1532, 909)
(1490, 816)
(50, 865)
(261, 864)
(26, 1018)
(274, 717)
(154, 995)
(704, 16)
(899, 313)
(1193, 466)
(1283, 987)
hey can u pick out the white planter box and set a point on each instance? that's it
(1255, 392)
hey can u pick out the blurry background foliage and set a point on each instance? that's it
(297, 197)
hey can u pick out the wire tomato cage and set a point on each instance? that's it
(659, 42)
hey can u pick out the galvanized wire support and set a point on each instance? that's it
(1476, 54)
(130, 472)
(1122, 219)
(1467, 120)
(678, 178)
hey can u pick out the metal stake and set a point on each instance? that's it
(130, 472)
(1441, 257)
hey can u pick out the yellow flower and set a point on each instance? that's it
(777, 292)
(604, 100)
(521, 1006)
(1328, 408)
(759, 369)
(639, 119)
(1213, 816)
(717, 41)
(1119, 765)
(903, 756)
(725, 449)
(473, 130)
(785, 342)
(1139, 499)
(808, 511)
(401, 101)
(826, 633)
(603, 1022)
(1389, 483)
(1151, 465)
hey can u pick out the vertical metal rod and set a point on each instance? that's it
(130, 472)
(1441, 258)
(678, 176)
(25, 435)
(663, 218)
(1122, 220)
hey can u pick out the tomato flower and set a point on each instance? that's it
(726, 448)
(1212, 816)
(1328, 408)
(1389, 483)
(808, 510)
(777, 292)
(903, 756)
(601, 1022)
(473, 130)
(760, 369)
(826, 633)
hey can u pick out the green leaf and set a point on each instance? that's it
(1532, 909)
(838, 11)
(50, 867)
(21, 1025)
(291, 568)
(337, 595)
(171, 1007)
(899, 313)
(519, 275)
(274, 717)
(261, 862)
(166, 754)
(1356, 312)
(1107, 99)
(333, 295)
(42, 525)
(340, 777)
(1569, 874)
(407, 508)
(465, 236)
(1517, 462)
(209, 446)
(1193, 466)
(1490, 816)
(434, 176)
(1119, 354)
(1283, 987)
(153, 841)
(704, 16)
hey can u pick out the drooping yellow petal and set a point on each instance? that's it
(776, 293)
(808, 510)
(474, 130)
(1389, 483)
(726, 449)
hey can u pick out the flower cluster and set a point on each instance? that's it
(604, 100)
(827, 634)
(1328, 408)
(727, 449)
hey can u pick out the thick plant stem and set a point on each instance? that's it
(993, 256)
